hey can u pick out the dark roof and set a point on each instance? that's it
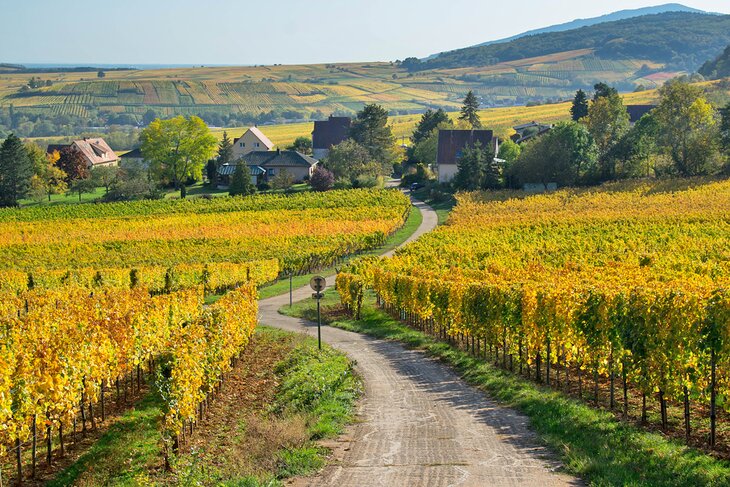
(330, 132)
(133, 154)
(520, 136)
(638, 111)
(452, 142)
(56, 148)
(278, 158)
(229, 169)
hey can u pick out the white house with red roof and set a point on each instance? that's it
(95, 151)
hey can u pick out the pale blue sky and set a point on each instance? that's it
(273, 31)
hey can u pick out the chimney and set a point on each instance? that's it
(278, 151)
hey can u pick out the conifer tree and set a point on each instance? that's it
(580, 105)
(16, 171)
(469, 111)
(241, 184)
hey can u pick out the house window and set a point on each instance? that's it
(258, 145)
(242, 144)
(270, 172)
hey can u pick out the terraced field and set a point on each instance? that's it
(315, 89)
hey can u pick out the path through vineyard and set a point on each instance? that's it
(420, 424)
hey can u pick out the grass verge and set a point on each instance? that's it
(442, 207)
(283, 397)
(592, 443)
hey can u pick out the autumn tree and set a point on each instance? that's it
(322, 179)
(49, 179)
(470, 111)
(72, 163)
(687, 128)
(178, 149)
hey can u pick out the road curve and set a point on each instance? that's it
(420, 424)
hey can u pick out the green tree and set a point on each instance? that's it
(302, 144)
(509, 152)
(241, 184)
(81, 186)
(348, 160)
(580, 105)
(370, 129)
(635, 153)
(284, 180)
(470, 111)
(16, 171)
(725, 130)
(178, 149)
(103, 176)
(602, 90)
(476, 169)
(607, 121)
(225, 150)
(688, 128)
(430, 121)
(566, 155)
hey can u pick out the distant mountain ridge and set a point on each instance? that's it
(578, 23)
(679, 40)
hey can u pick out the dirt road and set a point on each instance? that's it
(420, 424)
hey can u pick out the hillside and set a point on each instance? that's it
(643, 51)
(681, 40)
(718, 67)
(620, 15)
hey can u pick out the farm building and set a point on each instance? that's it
(451, 143)
(225, 173)
(96, 152)
(638, 111)
(327, 133)
(134, 156)
(528, 131)
(252, 140)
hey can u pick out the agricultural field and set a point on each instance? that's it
(313, 90)
(618, 294)
(95, 297)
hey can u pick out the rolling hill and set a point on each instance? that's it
(718, 67)
(640, 51)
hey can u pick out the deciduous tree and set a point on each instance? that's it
(48, 179)
(322, 179)
(178, 149)
(687, 127)
(607, 121)
(302, 144)
(73, 164)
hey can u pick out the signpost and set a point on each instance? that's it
(318, 284)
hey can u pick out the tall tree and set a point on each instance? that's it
(687, 127)
(602, 90)
(178, 149)
(470, 111)
(16, 171)
(370, 129)
(302, 144)
(73, 164)
(430, 121)
(225, 150)
(475, 169)
(580, 105)
(241, 184)
(48, 179)
(607, 121)
(348, 160)
(635, 153)
(725, 129)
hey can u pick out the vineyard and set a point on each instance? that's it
(94, 298)
(625, 286)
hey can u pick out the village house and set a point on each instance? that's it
(527, 131)
(452, 143)
(638, 111)
(328, 133)
(264, 165)
(96, 152)
(252, 140)
(134, 156)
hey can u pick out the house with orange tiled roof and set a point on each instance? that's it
(96, 152)
(252, 140)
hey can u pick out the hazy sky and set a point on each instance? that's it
(273, 31)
